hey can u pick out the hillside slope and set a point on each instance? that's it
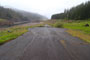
(18, 15)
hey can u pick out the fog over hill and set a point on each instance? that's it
(31, 16)
(15, 15)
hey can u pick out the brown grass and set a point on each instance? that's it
(80, 34)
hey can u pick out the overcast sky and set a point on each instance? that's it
(43, 7)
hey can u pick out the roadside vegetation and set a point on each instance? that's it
(7, 34)
(11, 33)
(76, 20)
(78, 28)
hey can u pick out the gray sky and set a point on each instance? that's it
(43, 7)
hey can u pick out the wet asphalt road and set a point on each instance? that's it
(45, 44)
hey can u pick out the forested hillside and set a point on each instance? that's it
(18, 15)
(80, 12)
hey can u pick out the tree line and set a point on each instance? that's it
(80, 12)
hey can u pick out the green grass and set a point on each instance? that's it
(15, 32)
(75, 25)
(76, 28)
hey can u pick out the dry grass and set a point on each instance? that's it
(80, 34)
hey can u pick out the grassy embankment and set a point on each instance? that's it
(11, 33)
(75, 28)
(4, 22)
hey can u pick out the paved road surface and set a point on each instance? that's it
(45, 44)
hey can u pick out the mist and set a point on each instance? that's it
(43, 7)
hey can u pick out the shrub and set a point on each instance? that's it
(58, 25)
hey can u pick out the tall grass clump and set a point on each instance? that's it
(58, 25)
